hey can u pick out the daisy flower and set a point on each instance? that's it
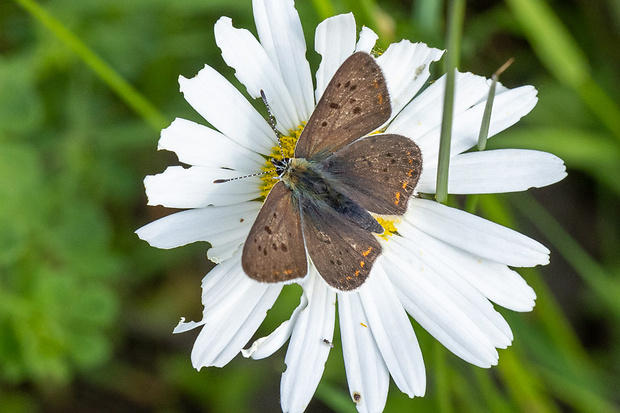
(440, 265)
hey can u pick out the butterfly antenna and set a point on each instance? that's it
(272, 121)
(221, 181)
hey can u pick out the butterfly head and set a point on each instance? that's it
(281, 165)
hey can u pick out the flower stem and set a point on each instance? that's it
(123, 89)
(457, 12)
(488, 107)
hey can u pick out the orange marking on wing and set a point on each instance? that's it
(397, 195)
(380, 97)
(288, 272)
(410, 173)
(405, 183)
(365, 253)
(362, 263)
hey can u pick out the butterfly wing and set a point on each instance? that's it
(274, 250)
(342, 252)
(355, 103)
(378, 172)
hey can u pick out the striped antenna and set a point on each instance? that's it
(272, 123)
(221, 181)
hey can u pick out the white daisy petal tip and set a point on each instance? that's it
(366, 40)
(266, 346)
(184, 326)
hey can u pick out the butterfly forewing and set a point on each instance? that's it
(274, 250)
(355, 103)
(378, 172)
(342, 252)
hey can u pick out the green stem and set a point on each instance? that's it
(109, 76)
(457, 13)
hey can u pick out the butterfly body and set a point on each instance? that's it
(314, 189)
(323, 204)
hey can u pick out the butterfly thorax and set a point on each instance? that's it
(314, 188)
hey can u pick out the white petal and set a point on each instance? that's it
(222, 251)
(178, 187)
(502, 285)
(495, 281)
(307, 352)
(199, 145)
(393, 332)
(405, 66)
(508, 107)
(367, 374)
(367, 40)
(421, 119)
(442, 267)
(334, 41)
(476, 235)
(235, 306)
(496, 171)
(281, 35)
(256, 71)
(421, 292)
(184, 326)
(213, 224)
(224, 107)
(266, 346)
(423, 114)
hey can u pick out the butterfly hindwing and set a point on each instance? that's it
(355, 103)
(274, 250)
(378, 172)
(342, 252)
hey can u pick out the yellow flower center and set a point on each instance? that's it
(389, 226)
(288, 143)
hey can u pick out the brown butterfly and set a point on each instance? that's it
(338, 176)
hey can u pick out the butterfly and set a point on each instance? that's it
(322, 205)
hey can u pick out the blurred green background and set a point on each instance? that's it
(87, 309)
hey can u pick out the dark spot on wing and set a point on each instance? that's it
(268, 230)
(357, 110)
(334, 105)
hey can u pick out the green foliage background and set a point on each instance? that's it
(87, 309)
